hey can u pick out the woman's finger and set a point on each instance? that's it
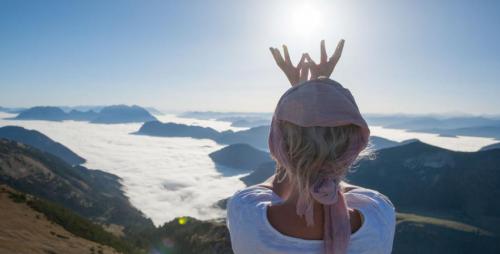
(274, 55)
(313, 67)
(287, 55)
(324, 56)
(309, 59)
(277, 57)
(304, 73)
(338, 52)
(302, 61)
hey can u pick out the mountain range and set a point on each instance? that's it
(93, 194)
(41, 142)
(420, 176)
(107, 115)
(255, 136)
(446, 201)
(477, 126)
(72, 209)
(492, 146)
(446, 125)
(240, 156)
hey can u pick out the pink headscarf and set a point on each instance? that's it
(322, 103)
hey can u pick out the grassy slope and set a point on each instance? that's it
(424, 234)
(25, 230)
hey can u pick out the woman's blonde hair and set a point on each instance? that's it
(310, 148)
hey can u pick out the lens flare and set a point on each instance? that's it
(182, 220)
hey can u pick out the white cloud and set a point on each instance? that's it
(163, 177)
(171, 177)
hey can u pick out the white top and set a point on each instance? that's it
(251, 231)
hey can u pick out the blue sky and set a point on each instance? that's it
(400, 56)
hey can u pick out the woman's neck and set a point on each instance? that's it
(289, 195)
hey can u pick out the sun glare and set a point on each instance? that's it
(305, 19)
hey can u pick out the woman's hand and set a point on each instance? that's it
(300, 73)
(325, 68)
(295, 75)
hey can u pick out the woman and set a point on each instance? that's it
(317, 133)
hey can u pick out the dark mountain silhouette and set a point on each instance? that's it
(255, 136)
(377, 143)
(418, 176)
(41, 142)
(490, 147)
(123, 114)
(404, 142)
(424, 177)
(93, 194)
(262, 172)
(43, 113)
(156, 128)
(240, 156)
(81, 108)
(82, 115)
(264, 169)
(108, 115)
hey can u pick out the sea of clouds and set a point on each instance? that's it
(171, 177)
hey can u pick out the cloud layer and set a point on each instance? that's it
(171, 177)
(163, 177)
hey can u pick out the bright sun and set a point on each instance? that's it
(305, 19)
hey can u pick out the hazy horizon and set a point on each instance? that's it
(400, 57)
(448, 114)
